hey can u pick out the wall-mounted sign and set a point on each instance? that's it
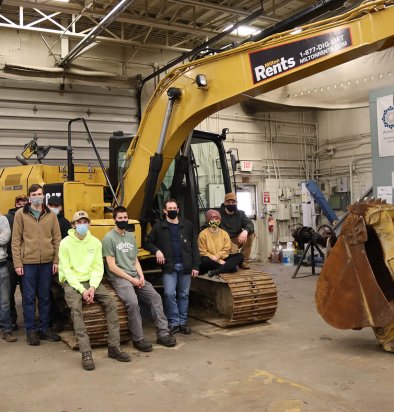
(385, 119)
(266, 197)
(246, 166)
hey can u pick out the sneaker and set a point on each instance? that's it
(143, 345)
(173, 329)
(9, 337)
(245, 265)
(115, 352)
(166, 340)
(212, 273)
(186, 330)
(87, 361)
(32, 338)
(49, 335)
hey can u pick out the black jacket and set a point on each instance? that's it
(159, 238)
(235, 223)
(10, 217)
(64, 224)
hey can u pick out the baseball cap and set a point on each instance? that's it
(230, 196)
(54, 200)
(81, 214)
(21, 197)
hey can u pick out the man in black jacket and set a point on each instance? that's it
(174, 243)
(238, 226)
(55, 204)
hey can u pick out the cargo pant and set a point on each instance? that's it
(246, 248)
(101, 295)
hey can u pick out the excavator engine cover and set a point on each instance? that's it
(356, 286)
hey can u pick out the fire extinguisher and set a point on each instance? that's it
(271, 223)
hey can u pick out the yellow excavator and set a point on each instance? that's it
(184, 98)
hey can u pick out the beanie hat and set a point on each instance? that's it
(230, 196)
(213, 214)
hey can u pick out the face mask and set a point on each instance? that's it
(214, 223)
(121, 224)
(55, 210)
(172, 214)
(231, 208)
(37, 201)
(82, 229)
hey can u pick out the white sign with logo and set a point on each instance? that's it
(385, 119)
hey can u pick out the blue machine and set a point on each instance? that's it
(321, 200)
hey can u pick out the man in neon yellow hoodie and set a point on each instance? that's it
(81, 270)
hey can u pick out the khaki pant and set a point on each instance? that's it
(246, 248)
(101, 295)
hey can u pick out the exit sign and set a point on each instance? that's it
(246, 166)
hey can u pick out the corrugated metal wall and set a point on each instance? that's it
(29, 109)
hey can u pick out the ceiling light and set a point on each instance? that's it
(243, 31)
(296, 31)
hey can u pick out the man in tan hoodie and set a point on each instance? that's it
(35, 245)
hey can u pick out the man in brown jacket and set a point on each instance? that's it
(35, 245)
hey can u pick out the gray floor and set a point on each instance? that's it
(296, 362)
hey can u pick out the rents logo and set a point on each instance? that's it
(273, 68)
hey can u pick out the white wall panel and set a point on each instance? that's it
(29, 109)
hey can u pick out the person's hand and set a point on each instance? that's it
(221, 261)
(19, 271)
(214, 258)
(160, 257)
(141, 282)
(194, 273)
(243, 237)
(88, 295)
(54, 268)
(135, 282)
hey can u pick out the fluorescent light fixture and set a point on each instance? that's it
(62, 1)
(243, 31)
(296, 31)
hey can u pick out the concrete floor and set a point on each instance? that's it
(296, 362)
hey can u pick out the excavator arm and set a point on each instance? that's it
(204, 86)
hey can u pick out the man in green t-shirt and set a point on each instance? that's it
(126, 277)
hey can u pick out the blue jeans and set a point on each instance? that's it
(37, 280)
(176, 304)
(5, 316)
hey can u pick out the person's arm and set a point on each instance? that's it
(247, 224)
(138, 268)
(226, 245)
(195, 252)
(202, 245)
(16, 243)
(151, 245)
(66, 273)
(56, 238)
(97, 271)
(116, 270)
(5, 231)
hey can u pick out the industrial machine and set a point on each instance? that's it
(185, 97)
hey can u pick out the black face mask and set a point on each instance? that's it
(121, 224)
(231, 208)
(172, 214)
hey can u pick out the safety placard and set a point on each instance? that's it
(266, 197)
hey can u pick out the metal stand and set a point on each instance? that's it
(311, 244)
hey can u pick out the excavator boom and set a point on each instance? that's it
(213, 83)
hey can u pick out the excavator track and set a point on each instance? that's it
(234, 299)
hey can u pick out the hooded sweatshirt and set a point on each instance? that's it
(80, 261)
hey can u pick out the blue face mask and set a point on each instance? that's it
(82, 228)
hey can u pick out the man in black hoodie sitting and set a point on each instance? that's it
(239, 227)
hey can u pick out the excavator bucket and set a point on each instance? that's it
(356, 286)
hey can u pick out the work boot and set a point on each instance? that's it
(245, 265)
(14, 327)
(32, 338)
(115, 352)
(186, 330)
(48, 335)
(166, 340)
(87, 361)
(8, 337)
(173, 329)
(143, 345)
(212, 273)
